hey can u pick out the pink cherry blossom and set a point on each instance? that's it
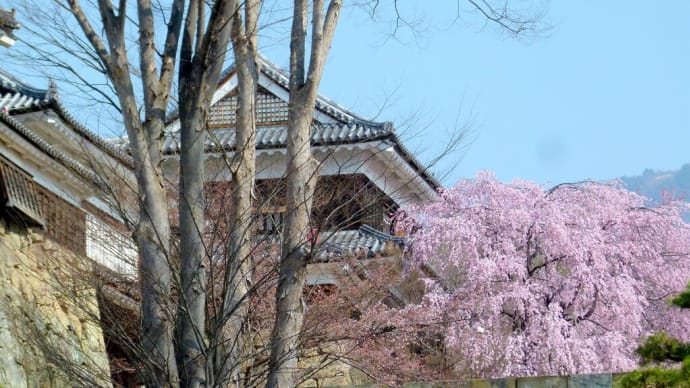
(528, 281)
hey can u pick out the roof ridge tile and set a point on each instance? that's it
(46, 147)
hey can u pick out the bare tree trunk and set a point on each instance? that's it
(154, 237)
(152, 233)
(202, 56)
(192, 306)
(155, 275)
(302, 174)
(232, 326)
(202, 53)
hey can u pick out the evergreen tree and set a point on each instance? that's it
(661, 349)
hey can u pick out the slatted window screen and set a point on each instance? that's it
(269, 109)
(18, 195)
(26, 202)
(64, 223)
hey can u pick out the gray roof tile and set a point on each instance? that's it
(17, 97)
(268, 137)
(323, 104)
(276, 136)
(350, 128)
(365, 242)
(47, 148)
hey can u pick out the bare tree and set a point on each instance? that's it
(145, 133)
(202, 53)
(211, 343)
(302, 173)
(202, 57)
(226, 344)
(234, 312)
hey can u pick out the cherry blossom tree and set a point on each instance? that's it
(527, 281)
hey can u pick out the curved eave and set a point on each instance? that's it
(409, 157)
(9, 82)
(330, 135)
(273, 73)
(36, 141)
(23, 104)
(409, 171)
(110, 149)
(270, 137)
(20, 98)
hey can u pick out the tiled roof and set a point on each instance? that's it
(115, 151)
(48, 149)
(365, 242)
(276, 136)
(17, 97)
(323, 104)
(18, 101)
(350, 129)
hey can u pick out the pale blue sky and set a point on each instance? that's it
(606, 93)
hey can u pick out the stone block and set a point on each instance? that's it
(36, 237)
(496, 383)
(502, 383)
(30, 309)
(590, 381)
(543, 382)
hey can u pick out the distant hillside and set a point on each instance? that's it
(653, 183)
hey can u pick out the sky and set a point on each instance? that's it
(604, 93)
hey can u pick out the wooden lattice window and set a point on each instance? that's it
(29, 204)
(341, 202)
(345, 202)
(269, 109)
(18, 195)
(64, 223)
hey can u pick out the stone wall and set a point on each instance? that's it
(49, 325)
(604, 380)
(324, 371)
